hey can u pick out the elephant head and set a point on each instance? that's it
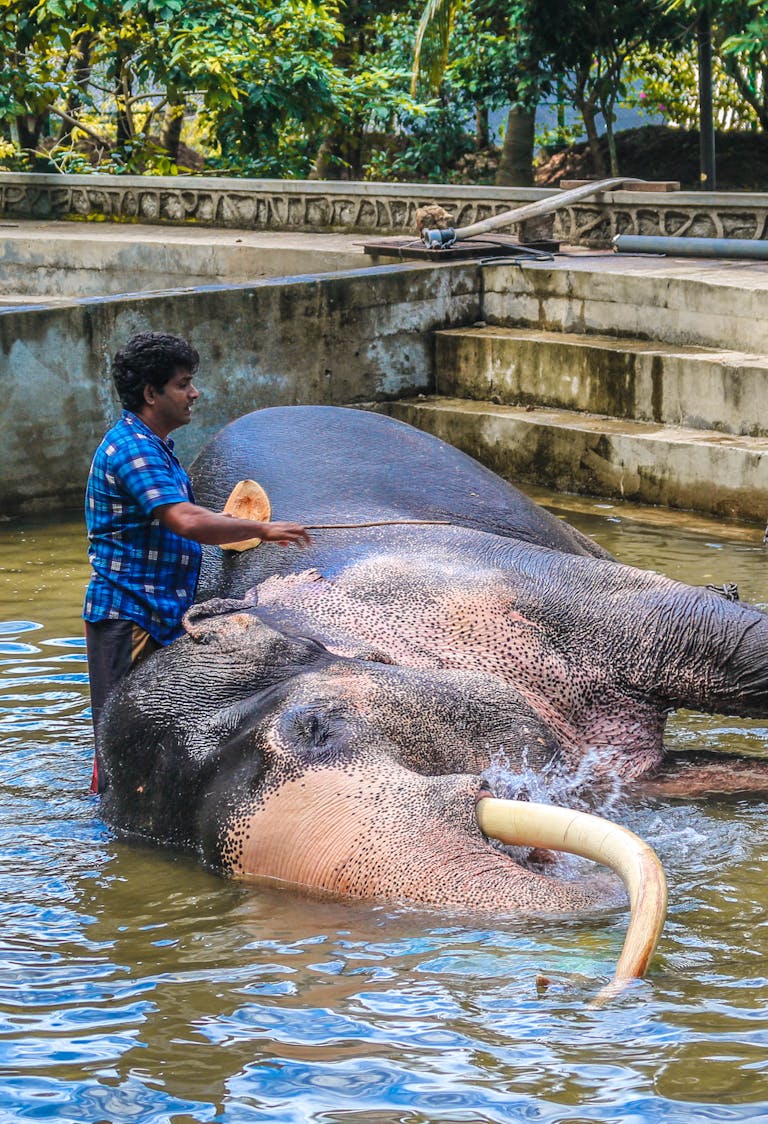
(275, 758)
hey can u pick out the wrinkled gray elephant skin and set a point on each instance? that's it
(330, 717)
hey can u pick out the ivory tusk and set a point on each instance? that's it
(518, 822)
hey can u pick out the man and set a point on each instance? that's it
(144, 527)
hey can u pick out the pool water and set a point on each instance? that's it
(137, 986)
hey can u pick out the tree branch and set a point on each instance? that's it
(78, 125)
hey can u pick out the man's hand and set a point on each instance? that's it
(282, 533)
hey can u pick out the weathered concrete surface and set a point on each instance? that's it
(704, 471)
(673, 384)
(348, 337)
(718, 304)
(59, 259)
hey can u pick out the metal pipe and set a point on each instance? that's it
(754, 248)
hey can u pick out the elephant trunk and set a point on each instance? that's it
(518, 822)
(697, 649)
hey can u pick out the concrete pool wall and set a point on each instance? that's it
(613, 375)
(354, 336)
(41, 262)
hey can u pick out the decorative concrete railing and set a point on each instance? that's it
(370, 208)
(291, 205)
(692, 214)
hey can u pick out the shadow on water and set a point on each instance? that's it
(137, 986)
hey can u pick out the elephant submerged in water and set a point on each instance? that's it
(330, 718)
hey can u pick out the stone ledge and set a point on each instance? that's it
(640, 185)
(361, 207)
(688, 386)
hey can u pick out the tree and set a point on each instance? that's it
(666, 82)
(368, 54)
(258, 74)
(36, 56)
(264, 75)
(740, 40)
(501, 69)
(741, 37)
(588, 48)
(583, 52)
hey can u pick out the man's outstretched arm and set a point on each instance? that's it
(212, 528)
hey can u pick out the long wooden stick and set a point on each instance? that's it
(380, 523)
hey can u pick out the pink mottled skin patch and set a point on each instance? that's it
(449, 618)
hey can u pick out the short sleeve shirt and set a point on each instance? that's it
(142, 571)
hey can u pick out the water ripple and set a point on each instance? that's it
(137, 987)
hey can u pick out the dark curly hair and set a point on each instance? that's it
(150, 358)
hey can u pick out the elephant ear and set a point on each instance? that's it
(235, 649)
(208, 619)
(167, 723)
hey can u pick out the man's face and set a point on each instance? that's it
(172, 405)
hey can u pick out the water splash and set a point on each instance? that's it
(516, 779)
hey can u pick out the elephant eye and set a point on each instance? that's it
(308, 729)
(316, 729)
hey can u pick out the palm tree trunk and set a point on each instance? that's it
(516, 162)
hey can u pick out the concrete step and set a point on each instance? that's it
(713, 304)
(699, 470)
(672, 384)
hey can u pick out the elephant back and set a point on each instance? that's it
(331, 465)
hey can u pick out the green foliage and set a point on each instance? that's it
(669, 86)
(428, 147)
(395, 88)
(559, 137)
(410, 139)
(260, 74)
(742, 32)
(487, 49)
(508, 59)
(12, 159)
(265, 76)
(740, 41)
(432, 42)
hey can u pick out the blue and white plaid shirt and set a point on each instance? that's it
(141, 570)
